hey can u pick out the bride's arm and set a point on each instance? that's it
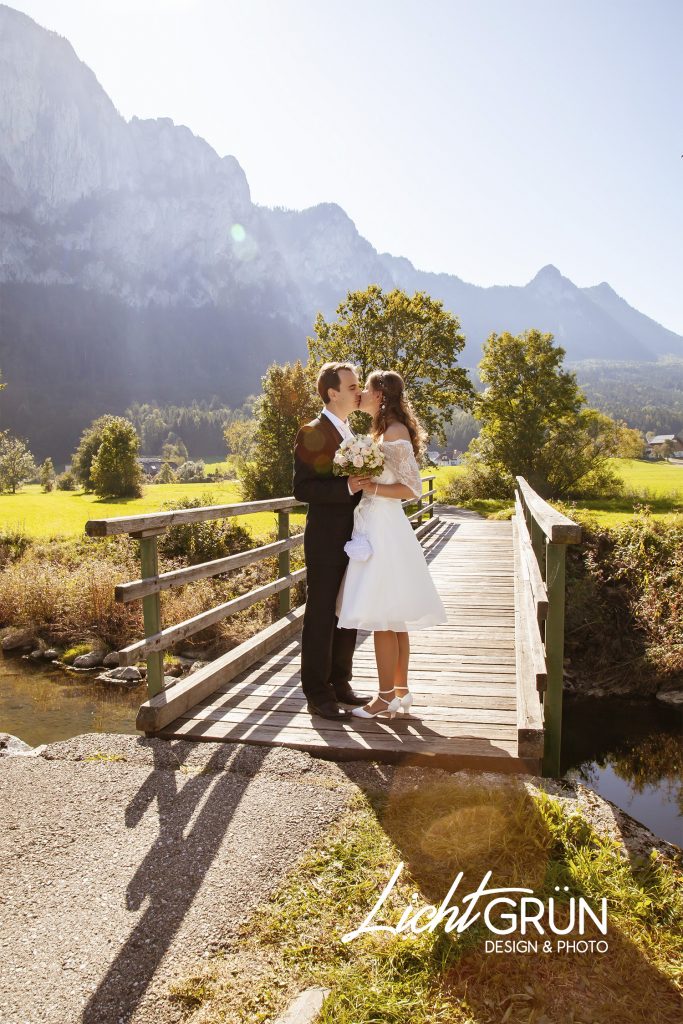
(389, 490)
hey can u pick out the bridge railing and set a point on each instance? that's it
(541, 534)
(165, 704)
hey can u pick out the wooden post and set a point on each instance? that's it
(419, 509)
(538, 543)
(285, 596)
(151, 613)
(554, 656)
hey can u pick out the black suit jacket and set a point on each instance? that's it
(329, 520)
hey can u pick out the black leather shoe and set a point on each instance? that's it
(327, 709)
(354, 699)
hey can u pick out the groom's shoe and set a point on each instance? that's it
(352, 699)
(327, 709)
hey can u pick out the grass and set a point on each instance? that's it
(65, 513)
(438, 829)
(658, 484)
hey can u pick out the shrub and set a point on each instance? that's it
(191, 472)
(66, 481)
(203, 541)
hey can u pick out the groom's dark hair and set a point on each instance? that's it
(329, 378)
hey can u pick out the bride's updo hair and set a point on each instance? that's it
(395, 405)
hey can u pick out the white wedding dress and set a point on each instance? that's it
(393, 588)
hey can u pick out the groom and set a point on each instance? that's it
(326, 651)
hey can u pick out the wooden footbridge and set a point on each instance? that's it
(487, 685)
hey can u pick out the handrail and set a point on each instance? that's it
(147, 527)
(541, 534)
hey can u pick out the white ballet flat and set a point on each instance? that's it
(391, 708)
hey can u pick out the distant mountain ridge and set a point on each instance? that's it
(135, 266)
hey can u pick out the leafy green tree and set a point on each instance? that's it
(174, 451)
(415, 336)
(289, 399)
(88, 446)
(165, 475)
(115, 469)
(532, 421)
(16, 462)
(47, 475)
(239, 438)
(191, 472)
(154, 429)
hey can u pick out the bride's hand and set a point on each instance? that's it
(361, 482)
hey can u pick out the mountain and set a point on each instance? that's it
(134, 265)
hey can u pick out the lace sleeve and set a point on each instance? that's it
(404, 464)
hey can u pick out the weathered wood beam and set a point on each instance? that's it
(158, 711)
(173, 634)
(557, 527)
(530, 732)
(126, 592)
(162, 520)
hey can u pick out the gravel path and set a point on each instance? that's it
(119, 875)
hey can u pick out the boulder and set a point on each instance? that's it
(128, 672)
(671, 696)
(125, 675)
(91, 660)
(18, 638)
(111, 659)
(197, 665)
(12, 746)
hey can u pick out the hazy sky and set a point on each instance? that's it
(484, 138)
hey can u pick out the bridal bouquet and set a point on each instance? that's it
(358, 456)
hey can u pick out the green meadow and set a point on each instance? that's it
(65, 513)
(657, 484)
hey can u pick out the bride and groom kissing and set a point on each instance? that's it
(392, 592)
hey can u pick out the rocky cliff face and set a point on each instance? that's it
(141, 234)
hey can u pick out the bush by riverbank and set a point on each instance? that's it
(624, 605)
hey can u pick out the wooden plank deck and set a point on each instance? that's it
(462, 675)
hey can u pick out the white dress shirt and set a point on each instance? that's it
(343, 428)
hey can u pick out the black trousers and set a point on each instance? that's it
(326, 652)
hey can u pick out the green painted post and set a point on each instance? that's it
(151, 613)
(285, 596)
(554, 655)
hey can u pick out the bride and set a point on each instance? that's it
(391, 592)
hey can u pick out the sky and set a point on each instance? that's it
(482, 138)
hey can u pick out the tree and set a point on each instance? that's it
(415, 336)
(47, 475)
(239, 438)
(16, 462)
(88, 447)
(174, 451)
(165, 475)
(115, 469)
(288, 400)
(191, 472)
(532, 421)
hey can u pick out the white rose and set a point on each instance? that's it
(357, 461)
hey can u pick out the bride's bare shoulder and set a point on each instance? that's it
(396, 432)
